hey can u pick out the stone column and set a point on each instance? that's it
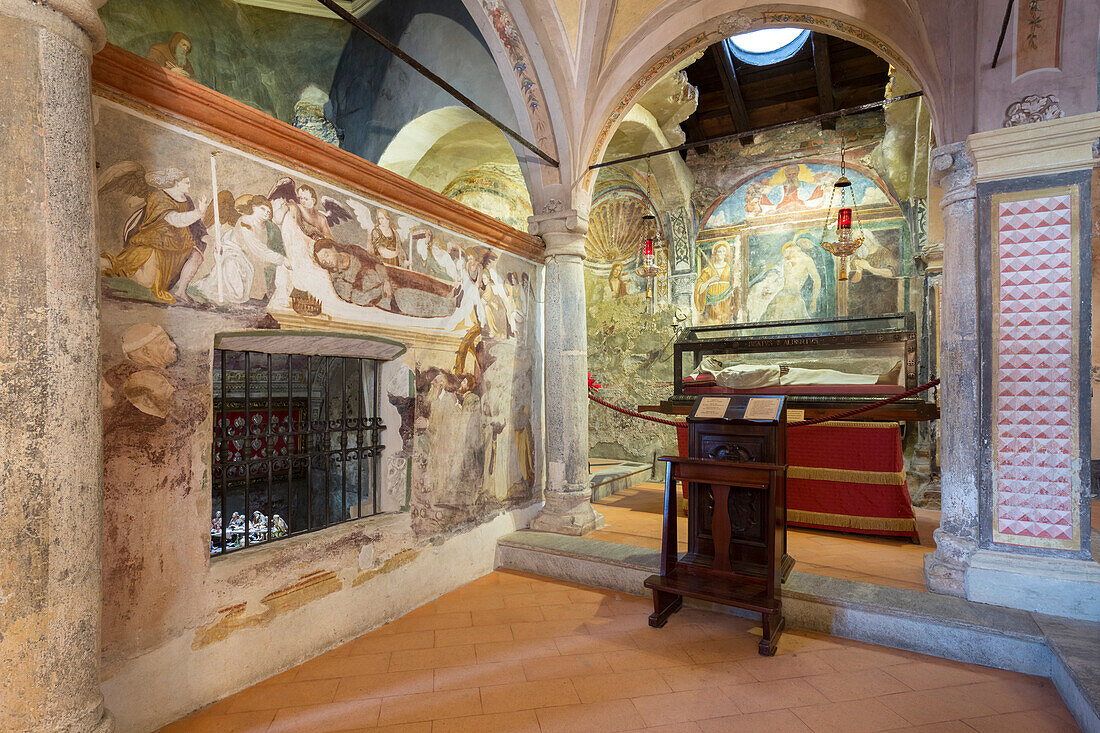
(957, 536)
(51, 502)
(568, 508)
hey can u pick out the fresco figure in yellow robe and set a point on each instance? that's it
(716, 287)
(167, 228)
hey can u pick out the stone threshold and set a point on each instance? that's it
(1065, 650)
(617, 477)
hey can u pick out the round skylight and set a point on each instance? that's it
(768, 45)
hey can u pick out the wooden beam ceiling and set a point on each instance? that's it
(823, 71)
(826, 74)
(732, 87)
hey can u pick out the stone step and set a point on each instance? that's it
(608, 480)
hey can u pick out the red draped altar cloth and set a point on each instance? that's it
(849, 477)
(844, 476)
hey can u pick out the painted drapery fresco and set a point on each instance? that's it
(759, 256)
(461, 406)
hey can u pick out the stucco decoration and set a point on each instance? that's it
(673, 56)
(615, 227)
(723, 28)
(1033, 108)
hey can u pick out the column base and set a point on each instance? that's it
(945, 569)
(568, 513)
(1050, 585)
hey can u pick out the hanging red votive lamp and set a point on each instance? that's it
(649, 236)
(844, 219)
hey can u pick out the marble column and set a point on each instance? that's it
(957, 536)
(568, 508)
(51, 497)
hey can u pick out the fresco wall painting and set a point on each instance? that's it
(462, 406)
(629, 349)
(758, 254)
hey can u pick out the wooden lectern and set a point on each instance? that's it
(736, 513)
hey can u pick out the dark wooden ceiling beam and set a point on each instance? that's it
(738, 111)
(691, 127)
(826, 101)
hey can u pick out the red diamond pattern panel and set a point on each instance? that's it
(1035, 380)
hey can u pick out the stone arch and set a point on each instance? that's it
(532, 94)
(456, 152)
(892, 32)
(646, 134)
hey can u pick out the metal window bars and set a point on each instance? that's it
(297, 445)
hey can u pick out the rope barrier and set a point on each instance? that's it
(802, 423)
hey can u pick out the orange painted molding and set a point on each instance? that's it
(119, 74)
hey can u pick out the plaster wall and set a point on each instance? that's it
(462, 457)
(1073, 81)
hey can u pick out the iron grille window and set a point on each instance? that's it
(297, 445)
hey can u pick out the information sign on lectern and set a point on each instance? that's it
(735, 475)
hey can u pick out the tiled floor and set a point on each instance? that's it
(515, 652)
(633, 517)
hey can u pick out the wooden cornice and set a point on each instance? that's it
(117, 73)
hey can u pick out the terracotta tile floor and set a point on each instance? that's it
(516, 652)
(633, 517)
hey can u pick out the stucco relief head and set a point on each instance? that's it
(149, 345)
(149, 392)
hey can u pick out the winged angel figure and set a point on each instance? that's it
(314, 217)
(163, 240)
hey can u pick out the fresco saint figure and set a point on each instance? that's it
(799, 268)
(385, 241)
(174, 55)
(167, 228)
(716, 289)
(615, 282)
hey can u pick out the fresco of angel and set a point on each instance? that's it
(314, 217)
(246, 242)
(304, 219)
(163, 239)
(431, 256)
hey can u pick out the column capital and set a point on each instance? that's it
(84, 14)
(562, 231)
(953, 171)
